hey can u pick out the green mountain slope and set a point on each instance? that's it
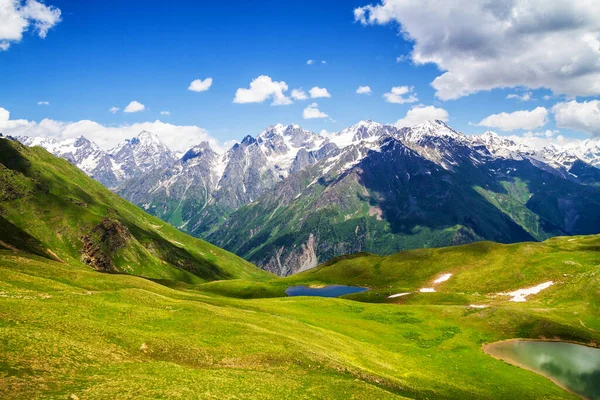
(51, 209)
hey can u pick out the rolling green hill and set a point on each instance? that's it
(50, 208)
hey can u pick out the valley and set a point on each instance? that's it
(176, 317)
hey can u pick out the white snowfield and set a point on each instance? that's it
(442, 278)
(427, 290)
(520, 295)
(478, 306)
(397, 295)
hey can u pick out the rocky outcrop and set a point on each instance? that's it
(106, 238)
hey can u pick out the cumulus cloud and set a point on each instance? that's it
(165, 113)
(310, 62)
(114, 110)
(312, 112)
(522, 119)
(43, 103)
(521, 97)
(396, 95)
(364, 90)
(261, 89)
(317, 92)
(420, 114)
(542, 134)
(16, 18)
(584, 116)
(134, 106)
(199, 85)
(539, 140)
(299, 94)
(178, 137)
(484, 44)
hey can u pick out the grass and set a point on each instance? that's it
(71, 330)
(185, 320)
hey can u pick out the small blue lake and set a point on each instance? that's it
(326, 291)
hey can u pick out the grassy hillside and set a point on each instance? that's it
(71, 330)
(479, 271)
(50, 208)
(209, 325)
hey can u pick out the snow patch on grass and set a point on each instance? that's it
(397, 295)
(520, 295)
(442, 278)
(427, 290)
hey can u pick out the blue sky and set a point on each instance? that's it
(107, 54)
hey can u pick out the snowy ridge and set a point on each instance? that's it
(280, 150)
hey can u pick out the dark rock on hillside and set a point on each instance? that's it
(102, 242)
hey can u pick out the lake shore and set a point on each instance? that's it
(489, 349)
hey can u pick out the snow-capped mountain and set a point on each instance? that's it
(385, 190)
(281, 144)
(589, 151)
(130, 158)
(141, 154)
(84, 154)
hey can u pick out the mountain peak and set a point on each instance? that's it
(147, 137)
(279, 129)
(198, 151)
(248, 140)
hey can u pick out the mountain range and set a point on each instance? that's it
(102, 300)
(288, 198)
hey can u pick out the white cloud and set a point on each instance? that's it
(317, 92)
(312, 112)
(542, 134)
(323, 62)
(178, 137)
(199, 85)
(43, 103)
(539, 140)
(485, 44)
(114, 110)
(229, 144)
(421, 114)
(364, 90)
(521, 97)
(261, 89)
(397, 93)
(522, 119)
(165, 113)
(16, 18)
(299, 94)
(134, 106)
(310, 62)
(584, 116)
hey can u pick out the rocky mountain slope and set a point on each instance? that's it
(388, 195)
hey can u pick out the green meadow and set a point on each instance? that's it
(175, 317)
